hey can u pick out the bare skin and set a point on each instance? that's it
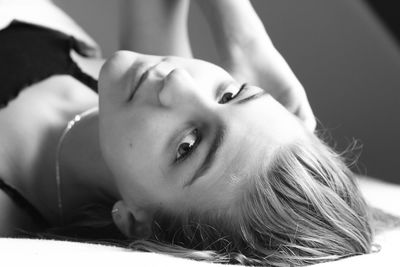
(56, 101)
(29, 160)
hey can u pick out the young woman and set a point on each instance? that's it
(186, 158)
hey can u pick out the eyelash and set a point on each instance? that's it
(242, 87)
(179, 158)
(196, 133)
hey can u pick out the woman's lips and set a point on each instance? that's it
(139, 79)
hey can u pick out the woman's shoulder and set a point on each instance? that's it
(53, 97)
(39, 113)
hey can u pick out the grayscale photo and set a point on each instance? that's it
(199, 133)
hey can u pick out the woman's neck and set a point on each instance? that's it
(84, 175)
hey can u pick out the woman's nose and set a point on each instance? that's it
(178, 88)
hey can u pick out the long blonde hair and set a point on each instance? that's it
(303, 207)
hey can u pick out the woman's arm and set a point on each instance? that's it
(248, 54)
(234, 25)
(157, 27)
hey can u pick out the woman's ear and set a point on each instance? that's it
(133, 222)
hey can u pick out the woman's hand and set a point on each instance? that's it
(248, 54)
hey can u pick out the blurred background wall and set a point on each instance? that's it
(340, 50)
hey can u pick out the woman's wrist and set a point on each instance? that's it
(234, 24)
(156, 27)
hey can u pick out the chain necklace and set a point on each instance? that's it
(67, 129)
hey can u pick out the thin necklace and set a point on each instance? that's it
(67, 129)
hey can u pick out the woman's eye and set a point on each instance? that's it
(228, 96)
(187, 145)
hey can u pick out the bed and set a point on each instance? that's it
(35, 252)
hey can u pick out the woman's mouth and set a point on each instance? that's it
(142, 72)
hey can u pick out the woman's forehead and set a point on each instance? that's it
(237, 161)
(247, 148)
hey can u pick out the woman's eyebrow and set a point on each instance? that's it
(210, 157)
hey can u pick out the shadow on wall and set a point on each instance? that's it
(344, 57)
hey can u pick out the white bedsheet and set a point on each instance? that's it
(33, 252)
(30, 252)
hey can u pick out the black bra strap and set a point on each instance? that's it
(24, 204)
(84, 78)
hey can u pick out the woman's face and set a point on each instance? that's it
(177, 132)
